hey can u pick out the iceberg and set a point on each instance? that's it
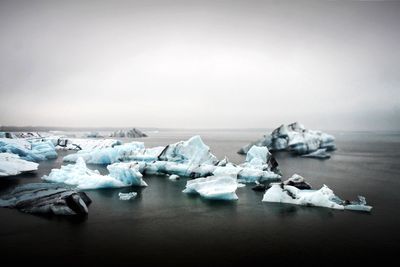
(44, 198)
(127, 196)
(318, 154)
(31, 150)
(12, 164)
(213, 187)
(296, 138)
(132, 133)
(192, 152)
(324, 197)
(82, 177)
(106, 155)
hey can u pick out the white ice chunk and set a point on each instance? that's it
(213, 187)
(127, 196)
(11, 164)
(82, 177)
(66, 143)
(173, 177)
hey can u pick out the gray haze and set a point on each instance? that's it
(200, 64)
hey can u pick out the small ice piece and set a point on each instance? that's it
(319, 154)
(324, 197)
(12, 164)
(173, 177)
(213, 187)
(127, 196)
(298, 182)
(45, 198)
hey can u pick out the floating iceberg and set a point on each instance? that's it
(192, 151)
(79, 175)
(213, 187)
(127, 196)
(107, 155)
(44, 198)
(173, 177)
(132, 133)
(324, 197)
(32, 150)
(294, 137)
(12, 164)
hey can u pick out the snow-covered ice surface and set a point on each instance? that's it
(12, 164)
(45, 198)
(295, 137)
(324, 197)
(127, 196)
(31, 150)
(82, 177)
(213, 187)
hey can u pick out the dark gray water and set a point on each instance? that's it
(164, 226)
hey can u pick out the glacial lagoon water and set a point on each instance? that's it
(163, 226)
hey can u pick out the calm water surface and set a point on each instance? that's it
(164, 226)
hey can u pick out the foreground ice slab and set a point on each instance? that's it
(12, 164)
(132, 133)
(213, 187)
(295, 137)
(44, 198)
(324, 197)
(121, 175)
(107, 155)
(31, 150)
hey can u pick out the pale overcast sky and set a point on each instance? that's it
(200, 64)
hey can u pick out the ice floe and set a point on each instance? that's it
(324, 197)
(67, 143)
(12, 164)
(295, 137)
(213, 187)
(45, 198)
(82, 177)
